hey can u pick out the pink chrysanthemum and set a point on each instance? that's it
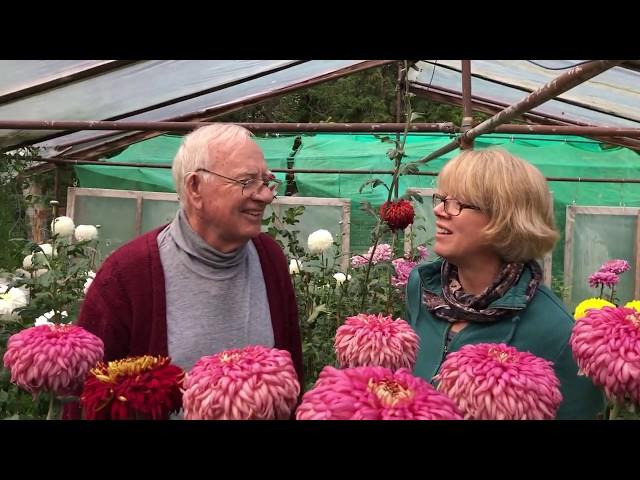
(403, 268)
(52, 358)
(145, 388)
(398, 215)
(497, 382)
(606, 346)
(383, 253)
(608, 279)
(252, 383)
(617, 266)
(376, 340)
(374, 393)
(359, 261)
(423, 253)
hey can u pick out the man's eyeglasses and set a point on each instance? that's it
(252, 185)
(452, 206)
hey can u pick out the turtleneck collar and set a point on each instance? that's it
(193, 244)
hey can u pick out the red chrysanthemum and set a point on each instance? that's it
(398, 215)
(252, 383)
(144, 387)
(52, 358)
(376, 340)
(497, 382)
(374, 393)
(606, 346)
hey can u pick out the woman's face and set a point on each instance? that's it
(459, 226)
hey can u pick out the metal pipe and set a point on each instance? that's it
(568, 130)
(566, 81)
(319, 170)
(467, 108)
(447, 127)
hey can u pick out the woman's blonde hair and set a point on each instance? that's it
(194, 150)
(513, 193)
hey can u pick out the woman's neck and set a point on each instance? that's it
(476, 276)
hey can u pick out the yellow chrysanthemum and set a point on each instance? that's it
(585, 305)
(635, 304)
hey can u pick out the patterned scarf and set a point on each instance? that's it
(457, 305)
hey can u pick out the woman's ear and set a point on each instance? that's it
(192, 190)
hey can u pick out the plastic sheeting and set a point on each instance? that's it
(616, 91)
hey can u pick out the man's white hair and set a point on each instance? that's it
(194, 150)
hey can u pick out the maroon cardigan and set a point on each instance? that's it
(126, 304)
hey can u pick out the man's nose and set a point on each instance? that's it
(263, 194)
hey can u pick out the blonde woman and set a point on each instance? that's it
(494, 218)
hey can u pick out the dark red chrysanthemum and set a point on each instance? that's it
(145, 387)
(398, 215)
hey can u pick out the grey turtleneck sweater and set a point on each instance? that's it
(215, 301)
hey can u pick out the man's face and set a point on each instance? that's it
(232, 216)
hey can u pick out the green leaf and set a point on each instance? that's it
(373, 182)
(412, 196)
(408, 168)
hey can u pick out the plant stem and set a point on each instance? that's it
(392, 188)
(611, 298)
(389, 286)
(613, 413)
(52, 401)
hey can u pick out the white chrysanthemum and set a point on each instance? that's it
(319, 241)
(20, 272)
(47, 249)
(44, 319)
(341, 277)
(12, 299)
(90, 276)
(27, 262)
(40, 272)
(86, 232)
(294, 266)
(62, 226)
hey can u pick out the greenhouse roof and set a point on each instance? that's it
(201, 90)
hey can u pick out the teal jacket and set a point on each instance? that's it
(542, 328)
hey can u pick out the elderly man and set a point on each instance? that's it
(210, 280)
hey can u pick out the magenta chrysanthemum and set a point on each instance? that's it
(606, 346)
(617, 266)
(252, 383)
(607, 279)
(403, 268)
(376, 340)
(52, 358)
(374, 393)
(497, 382)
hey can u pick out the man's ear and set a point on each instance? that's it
(192, 190)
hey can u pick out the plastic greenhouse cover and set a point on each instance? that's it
(127, 89)
(616, 90)
(240, 92)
